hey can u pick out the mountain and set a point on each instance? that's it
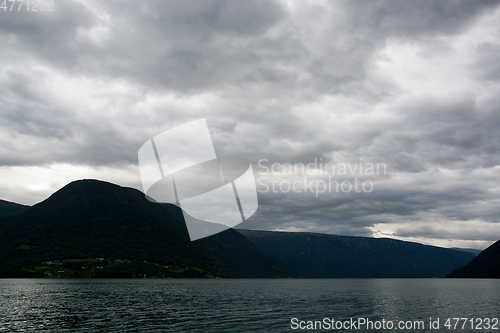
(485, 265)
(312, 255)
(92, 228)
(473, 251)
(240, 255)
(7, 207)
(91, 219)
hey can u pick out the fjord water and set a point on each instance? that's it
(239, 305)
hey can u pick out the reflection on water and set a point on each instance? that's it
(179, 305)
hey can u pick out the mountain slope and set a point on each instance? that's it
(473, 251)
(95, 219)
(330, 256)
(235, 252)
(7, 207)
(239, 255)
(485, 265)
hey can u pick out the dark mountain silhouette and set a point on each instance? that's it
(238, 254)
(485, 265)
(7, 207)
(328, 256)
(95, 219)
(473, 251)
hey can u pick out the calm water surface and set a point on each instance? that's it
(253, 305)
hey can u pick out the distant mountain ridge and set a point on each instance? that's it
(473, 251)
(313, 255)
(485, 265)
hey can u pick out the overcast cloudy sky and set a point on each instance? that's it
(414, 85)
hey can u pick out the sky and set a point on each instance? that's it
(412, 87)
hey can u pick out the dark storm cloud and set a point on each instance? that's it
(46, 36)
(486, 65)
(414, 19)
(456, 198)
(167, 44)
(197, 45)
